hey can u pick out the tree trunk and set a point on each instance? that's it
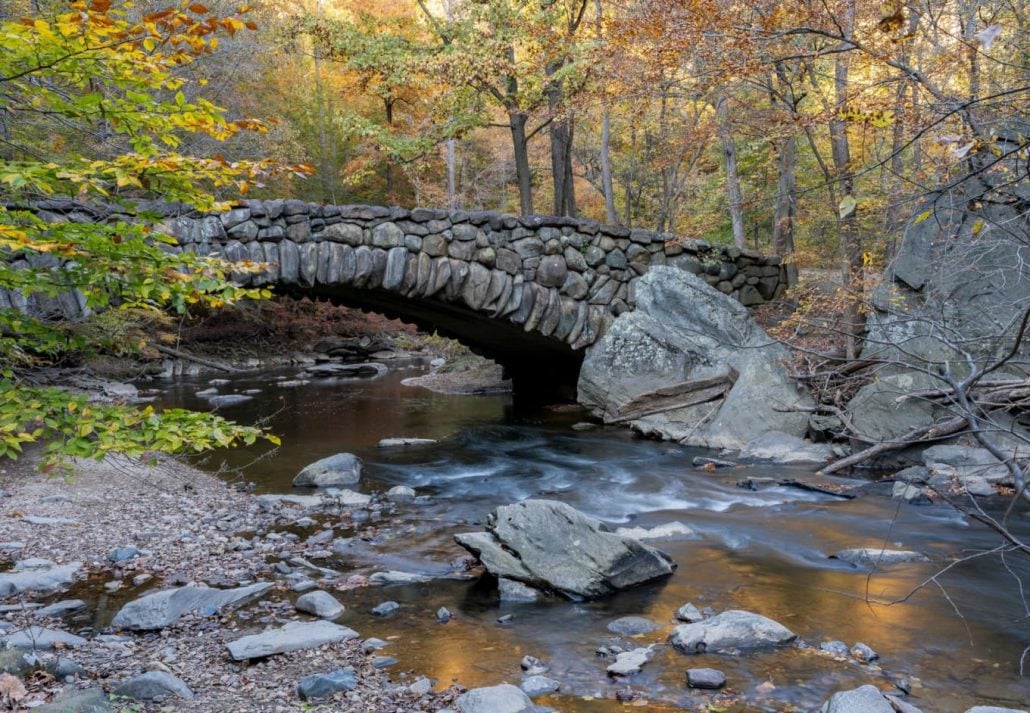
(610, 216)
(733, 193)
(561, 147)
(452, 189)
(523, 177)
(389, 164)
(786, 196)
(850, 240)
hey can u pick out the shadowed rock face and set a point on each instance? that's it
(551, 546)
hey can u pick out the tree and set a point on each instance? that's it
(62, 76)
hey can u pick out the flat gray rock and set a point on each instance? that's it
(864, 699)
(154, 686)
(393, 577)
(730, 631)
(504, 698)
(706, 678)
(534, 686)
(551, 546)
(511, 591)
(632, 626)
(780, 447)
(295, 636)
(59, 609)
(304, 501)
(630, 662)
(48, 521)
(983, 709)
(228, 400)
(90, 700)
(397, 442)
(321, 604)
(161, 609)
(38, 579)
(38, 637)
(339, 469)
(876, 555)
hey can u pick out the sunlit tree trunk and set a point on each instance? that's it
(523, 176)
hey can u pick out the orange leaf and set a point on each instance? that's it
(100, 5)
(198, 9)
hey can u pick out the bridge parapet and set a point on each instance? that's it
(562, 279)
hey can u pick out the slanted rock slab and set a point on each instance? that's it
(780, 447)
(38, 637)
(551, 546)
(339, 469)
(504, 698)
(153, 686)
(733, 630)
(295, 636)
(161, 609)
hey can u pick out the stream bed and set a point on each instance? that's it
(956, 640)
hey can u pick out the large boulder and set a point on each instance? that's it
(956, 290)
(690, 364)
(731, 631)
(339, 469)
(551, 546)
(161, 609)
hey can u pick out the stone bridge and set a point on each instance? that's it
(530, 292)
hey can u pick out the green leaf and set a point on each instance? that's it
(847, 206)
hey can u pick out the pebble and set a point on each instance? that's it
(421, 687)
(322, 685)
(689, 613)
(321, 604)
(373, 644)
(632, 626)
(443, 615)
(123, 553)
(864, 654)
(706, 678)
(506, 619)
(838, 648)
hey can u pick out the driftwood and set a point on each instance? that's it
(677, 396)
(923, 433)
(198, 360)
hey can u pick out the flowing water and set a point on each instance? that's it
(958, 639)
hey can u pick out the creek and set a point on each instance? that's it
(957, 640)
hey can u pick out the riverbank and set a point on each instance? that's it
(170, 525)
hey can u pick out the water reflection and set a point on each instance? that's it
(764, 551)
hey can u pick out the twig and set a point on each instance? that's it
(923, 433)
(199, 360)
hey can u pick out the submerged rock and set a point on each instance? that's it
(730, 631)
(875, 555)
(539, 686)
(511, 591)
(865, 699)
(551, 546)
(294, 636)
(632, 626)
(504, 698)
(667, 531)
(153, 686)
(161, 609)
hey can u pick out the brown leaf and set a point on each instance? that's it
(11, 688)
